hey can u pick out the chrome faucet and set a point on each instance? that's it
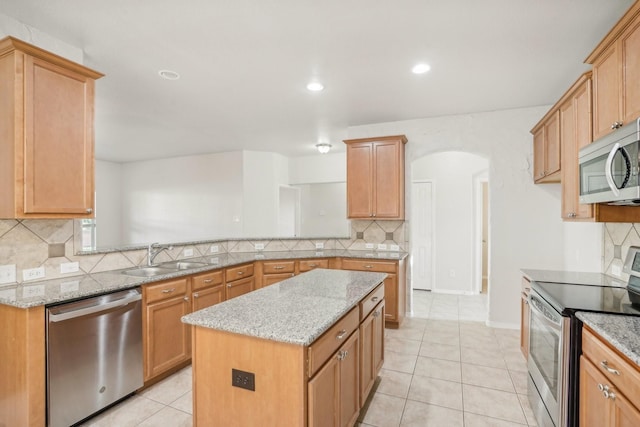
(154, 250)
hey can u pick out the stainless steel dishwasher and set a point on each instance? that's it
(94, 355)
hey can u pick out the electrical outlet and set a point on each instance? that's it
(394, 248)
(259, 246)
(452, 273)
(32, 273)
(320, 245)
(188, 252)
(32, 291)
(66, 287)
(615, 270)
(214, 249)
(368, 245)
(382, 246)
(69, 267)
(7, 273)
(242, 379)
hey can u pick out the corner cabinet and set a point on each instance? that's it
(616, 72)
(46, 134)
(375, 177)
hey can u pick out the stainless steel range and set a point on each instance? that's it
(555, 340)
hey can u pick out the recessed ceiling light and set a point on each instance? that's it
(420, 68)
(169, 75)
(315, 86)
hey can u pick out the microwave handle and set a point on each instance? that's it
(607, 169)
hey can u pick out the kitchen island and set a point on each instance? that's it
(304, 351)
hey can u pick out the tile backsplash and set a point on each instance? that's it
(28, 244)
(617, 239)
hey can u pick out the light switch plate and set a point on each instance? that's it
(32, 273)
(69, 267)
(188, 252)
(320, 245)
(7, 273)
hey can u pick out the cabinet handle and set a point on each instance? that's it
(240, 273)
(341, 334)
(368, 266)
(374, 299)
(313, 265)
(605, 365)
(571, 215)
(196, 295)
(278, 267)
(208, 280)
(168, 291)
(89, 210)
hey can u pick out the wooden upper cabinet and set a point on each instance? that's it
(575, 133)
(616, 72)
(375, 177)
(46, 134)
(546, 148)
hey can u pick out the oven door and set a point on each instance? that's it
(546, 358)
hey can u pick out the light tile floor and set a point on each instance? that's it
(443, 367)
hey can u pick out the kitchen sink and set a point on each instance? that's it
(149, 271)
(182, 265)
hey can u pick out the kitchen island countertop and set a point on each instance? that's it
(295, 311)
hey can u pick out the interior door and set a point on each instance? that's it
(422, 235)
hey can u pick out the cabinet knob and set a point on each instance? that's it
(616, 125)
(341, 334)
(376, 313)
(89, 210)
(196, 295)
(374, 299)
(228, 285)
(186, 298)
(571, 215)
(374, 214)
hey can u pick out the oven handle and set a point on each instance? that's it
(555, 325)
(607, 169)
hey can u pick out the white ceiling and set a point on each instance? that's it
(244, 65)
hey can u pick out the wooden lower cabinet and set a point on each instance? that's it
(270, 279)
(240, 287)
(207, 289)
(333, 392)
(310, 264)
(167, 341)
(371, 349)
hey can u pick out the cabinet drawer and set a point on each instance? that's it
(279, 267)
(235, 273)
(164, 290)
(270, 279)
(621, 373)
(370, 301)
(310, 264)
(322, 348)
(208, 279)
(366, 265)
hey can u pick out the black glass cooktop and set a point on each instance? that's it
(569, 298)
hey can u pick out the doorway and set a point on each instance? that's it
(422, 235)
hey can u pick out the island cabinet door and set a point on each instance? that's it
(371, 349)
(349, 381)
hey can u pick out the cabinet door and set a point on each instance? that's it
(360, 180)
(371, 349)
(552, 144)
(349, 384)
(594, 407)
(583, 137)
(203, 298)
(168, 340)
(240, 287)
(569, 151)
(624, 413)
(324, 395)
(391, 297)
(629, 48)
(538, 154)
(58, 151)
(270, 279)
(388, 178)
(606, 95)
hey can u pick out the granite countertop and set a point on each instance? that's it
(296, 311)
(622, 332)
(572, 277)
(45, 292)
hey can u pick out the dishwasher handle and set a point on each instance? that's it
(94, 309)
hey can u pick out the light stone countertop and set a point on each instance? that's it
(296, 311)
(46, 292)
(572, 277)
(622, 332)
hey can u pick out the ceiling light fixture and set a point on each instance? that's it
(169, 75)
(315, 86)
(323, 147)
(420, 68)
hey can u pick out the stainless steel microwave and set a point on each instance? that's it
(610, 168)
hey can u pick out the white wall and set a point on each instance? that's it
(108, 204)
(331, 167)
(583, 249)
(454, 186)
(526, 230)
(324, 210)
(182, 198)
(11, 27)
(263, 173)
